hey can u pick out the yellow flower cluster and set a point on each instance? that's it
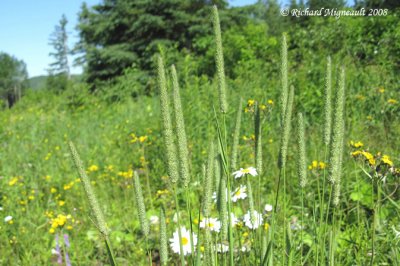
(386, 160)
(59, 222)
(368, 156)
(140, 139)
(128, 174)
(357, 144)
(250, 105)
(251, 137)
(315, 165)
(13, 181)
(162, 192)
(93, 168)
(69, 185)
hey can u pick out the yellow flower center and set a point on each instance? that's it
(246, 171)
(185, 241)
(210, 225)
(238, 192)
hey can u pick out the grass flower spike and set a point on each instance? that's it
(242, 172)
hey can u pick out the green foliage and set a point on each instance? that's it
(13, 78)
(59, 41)
(59, 74)
(318, 4)
(116, 34)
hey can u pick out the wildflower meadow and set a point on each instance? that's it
(209, 170)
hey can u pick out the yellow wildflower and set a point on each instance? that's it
(321, 165)
(392, 101)
(317, 165)
(386, 160)
(381, 90)
(93, 168)
(69, 185)
(61, 203)
(270, 102)
(13, 181)
(263, 107)
(250, 102)
(266, 226)
(142, 139)
(314, 164)
(357, 144)
(162, 192)
(53, 190)
(47, 156)
(369, 157)
(134, 139)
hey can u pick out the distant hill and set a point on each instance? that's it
(39, 82)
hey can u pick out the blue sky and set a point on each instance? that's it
(25, 27)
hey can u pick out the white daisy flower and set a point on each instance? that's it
(234, 220)
(222, 248)
(211, 224)
(253, 221)
(245, 248)
(268, 208)
(239, 193)
(154, 219)
(8, 218)
(185, 241)
(242, 172)
(1, 208)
